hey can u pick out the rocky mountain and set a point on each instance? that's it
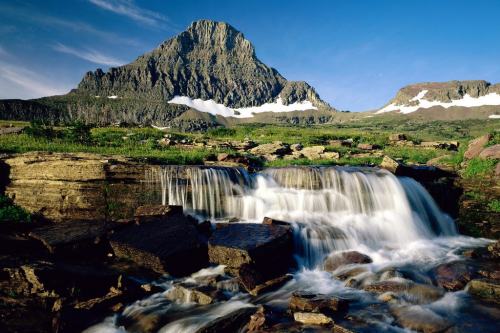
(210, 67)
(448, 100)
(210, 61)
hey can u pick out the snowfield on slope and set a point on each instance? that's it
(216, 109)
(466, 101)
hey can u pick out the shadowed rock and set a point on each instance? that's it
(336, 260)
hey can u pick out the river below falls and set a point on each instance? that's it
(392, 220)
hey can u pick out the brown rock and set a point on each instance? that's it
(268, 220)
(367, 146)
(313, 153)
(183, 293)
(397, 137)
(390, 164)
(485, 289)
(420, 320)
(255, 253)
(166, 245)
(304, 302)
(232, 322)
(345, 258)
(310, 318)
(492, 152)
(387, 286)
(453, 276)
(275, 148)
(476, 146)
(149, 213)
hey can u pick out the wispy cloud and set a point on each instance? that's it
(129, 9)
(29, 14)
(19, 82)
(90, 55)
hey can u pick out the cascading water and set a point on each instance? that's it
(331, 208)
(393, 220)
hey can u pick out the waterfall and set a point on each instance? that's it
(331, 208)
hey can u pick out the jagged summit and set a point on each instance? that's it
(209, 61)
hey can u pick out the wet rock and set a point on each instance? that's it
(350, 273)
(268, 220)
(492, 152)
(422, 293)
(257, 320)
(257, 282)
(305, 302)
(476, 146)
(386, 286)
(164, 246)
(336, 260)
(453, 276)
(255, 253)
(340, 329)
(231, 322)
(397, 137)
(485, 289)
(420, 319)
(185, 293)
(311, 318)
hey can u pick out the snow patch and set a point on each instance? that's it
(494, 116)
(216, 109)
(113, 97)
(466, 101)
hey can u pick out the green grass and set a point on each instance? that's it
(477, 167)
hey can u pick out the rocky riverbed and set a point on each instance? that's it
(293, 249)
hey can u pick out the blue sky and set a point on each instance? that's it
(356, 53)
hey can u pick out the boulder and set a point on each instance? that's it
(453, 276)
(420, 319)
(296, 147)
(330, 155)
(336, 260)
(312, 318)
(74, 238)
(367, 146)
(255, 253)
(486, 289)
(306, 302)
(476, 146)
(275, 148)
(313, 153)
(492, 152)
(391, 164)
(397, 137)
(168, 245)
(386, 286)
(185, 293)
(439, 163)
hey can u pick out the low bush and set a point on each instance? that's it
(477, 167)
(9, 212)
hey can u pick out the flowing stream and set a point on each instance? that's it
(393, 220)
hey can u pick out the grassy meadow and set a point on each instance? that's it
(142, 143)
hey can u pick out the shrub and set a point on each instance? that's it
(38, 129)
(79, 132)
(9, 212)
(494, 205)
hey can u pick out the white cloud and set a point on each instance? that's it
(129, 9)
(19, 82)
(89, 55)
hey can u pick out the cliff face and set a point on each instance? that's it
(210, 60)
